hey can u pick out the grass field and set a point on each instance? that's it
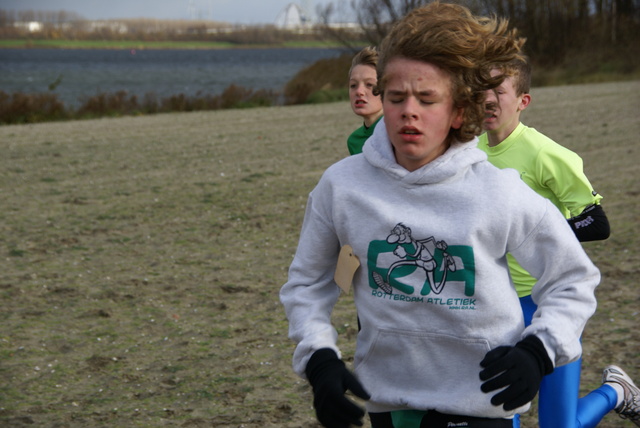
(142, 259)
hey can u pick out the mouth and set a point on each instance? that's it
(409, 130)
(490, 111)
(359, 103)
(410, 134)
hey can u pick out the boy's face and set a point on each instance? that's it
(418, 111)
(362, 81)
(503, 107)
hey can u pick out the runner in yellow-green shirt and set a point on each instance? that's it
(556, 173)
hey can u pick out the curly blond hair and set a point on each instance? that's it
(367, 56)
(467, 47)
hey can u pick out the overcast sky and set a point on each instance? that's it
(233, 11)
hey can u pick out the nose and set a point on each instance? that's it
(490, 96)
(409, 111)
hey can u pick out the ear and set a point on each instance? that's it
(524, 102)
(458, 120)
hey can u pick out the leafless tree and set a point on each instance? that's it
(553, 27)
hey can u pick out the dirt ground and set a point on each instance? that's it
(141, 259)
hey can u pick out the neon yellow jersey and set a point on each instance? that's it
(551, 170)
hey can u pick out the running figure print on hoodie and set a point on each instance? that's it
(419, 266)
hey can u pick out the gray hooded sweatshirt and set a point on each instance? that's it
(433, 292)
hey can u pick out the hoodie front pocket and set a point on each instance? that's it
(417, 369)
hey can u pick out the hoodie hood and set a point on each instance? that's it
(378, 151)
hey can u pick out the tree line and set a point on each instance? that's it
(554, 28)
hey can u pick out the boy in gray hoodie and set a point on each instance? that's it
(442, 340)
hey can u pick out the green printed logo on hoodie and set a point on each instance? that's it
(420, 265)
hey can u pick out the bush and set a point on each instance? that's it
(326, 75)
(328, 96)
(30, 108)
(104, 104)
(174, 103)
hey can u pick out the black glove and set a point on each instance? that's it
(520, 368)
(330, 380)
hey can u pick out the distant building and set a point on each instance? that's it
(114, 26)
(31, 26)
(292, 17)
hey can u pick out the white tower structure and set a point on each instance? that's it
(292, 17)
(191, 10)
(200, 9)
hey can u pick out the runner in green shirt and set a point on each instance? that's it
(365, 101)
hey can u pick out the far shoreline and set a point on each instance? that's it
(150, 45)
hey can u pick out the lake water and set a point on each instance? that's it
(83, 73)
